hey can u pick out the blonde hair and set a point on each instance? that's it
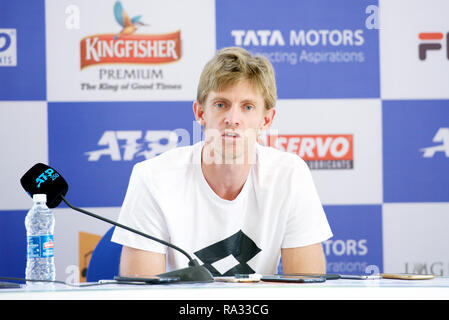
(232, 65)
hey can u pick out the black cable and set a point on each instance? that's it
(191, 261)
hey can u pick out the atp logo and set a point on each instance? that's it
(127, 145)
(426, 45)
(442, 136)
(44, 176)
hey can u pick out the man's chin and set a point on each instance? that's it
(234, 153)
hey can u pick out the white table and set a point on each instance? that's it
(340, 289)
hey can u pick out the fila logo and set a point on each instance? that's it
(430, 43)
(442, 136)
(333, 151)
(136, 143)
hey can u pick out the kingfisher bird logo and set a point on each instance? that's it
(127, 46)
(129, 25)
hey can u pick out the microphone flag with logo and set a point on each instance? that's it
(45, 180)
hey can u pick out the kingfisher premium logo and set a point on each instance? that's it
(126, 47)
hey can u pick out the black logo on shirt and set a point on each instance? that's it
(234, 252)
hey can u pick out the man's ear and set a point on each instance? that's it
(268, 119)
(198, 110)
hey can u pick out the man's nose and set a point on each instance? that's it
(233, 117)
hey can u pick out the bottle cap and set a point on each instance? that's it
(39, 197)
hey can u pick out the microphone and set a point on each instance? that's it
(45, 180)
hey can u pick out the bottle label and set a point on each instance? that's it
(40, 246)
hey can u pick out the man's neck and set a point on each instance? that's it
(226, 180)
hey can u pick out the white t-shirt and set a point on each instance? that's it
(169, 198)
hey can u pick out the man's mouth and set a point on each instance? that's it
(230, 134)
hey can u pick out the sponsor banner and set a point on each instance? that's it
(416, 150)
(8, 48)
(356, 247)
(318, 151)
(22, 51)
(316, 53)
(13, 243)
(87, 242)
(145, 49)
(342, 153)
(416, 238)
(127, 50)
(94, 145)
(414, 49)
(23, 143)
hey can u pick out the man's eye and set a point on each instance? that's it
(249, 107)
(219, 105)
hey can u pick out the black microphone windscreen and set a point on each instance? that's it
(45, 180)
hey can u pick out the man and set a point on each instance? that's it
(235, 205)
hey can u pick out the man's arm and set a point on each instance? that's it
(308, 259)
(141, 263)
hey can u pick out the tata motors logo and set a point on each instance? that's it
(124, 46)
(431, 41)
(127, 145)
(331, 151)
(305, 40)
(441, 137)
(8, 47)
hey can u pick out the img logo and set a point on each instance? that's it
(127, 145)
(429, 267)
(431, 41)
(8, 47)
(44, 176)
(442, 136)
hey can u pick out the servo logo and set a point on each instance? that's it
(126, 47)
(332, 151)
(8, 47)
(432, 41)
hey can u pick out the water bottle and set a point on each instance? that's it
(40, 224)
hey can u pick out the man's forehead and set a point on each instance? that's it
(242, 90)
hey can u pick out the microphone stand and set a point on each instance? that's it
(193, 273)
